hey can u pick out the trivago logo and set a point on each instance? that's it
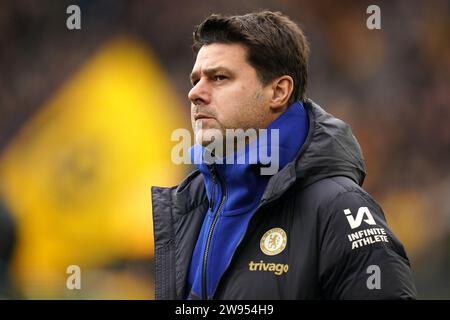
(277, 268)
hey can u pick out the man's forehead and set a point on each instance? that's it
(218, 55)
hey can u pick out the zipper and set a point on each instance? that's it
(239, 244)
(213, 191)
(213, 224)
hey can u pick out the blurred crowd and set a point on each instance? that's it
(391, 86)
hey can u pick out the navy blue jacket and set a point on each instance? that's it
(315, 234)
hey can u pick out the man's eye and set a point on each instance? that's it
(219, 78)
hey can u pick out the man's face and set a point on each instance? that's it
(226, 92)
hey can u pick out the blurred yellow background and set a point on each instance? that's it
(78, 175)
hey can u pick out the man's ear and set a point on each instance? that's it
(282, 89)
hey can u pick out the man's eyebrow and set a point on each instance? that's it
(208, 72)
(193, 76)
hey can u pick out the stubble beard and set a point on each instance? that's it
(207, 136)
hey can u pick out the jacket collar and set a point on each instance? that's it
(330, 150)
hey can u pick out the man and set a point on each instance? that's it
(307, 230)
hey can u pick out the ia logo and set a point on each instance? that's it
(355, 223)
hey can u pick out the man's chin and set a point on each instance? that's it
(205, 137)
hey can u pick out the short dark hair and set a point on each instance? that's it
(276, 45)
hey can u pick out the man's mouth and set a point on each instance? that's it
(200, 116)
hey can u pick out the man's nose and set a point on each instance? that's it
(199, 94)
